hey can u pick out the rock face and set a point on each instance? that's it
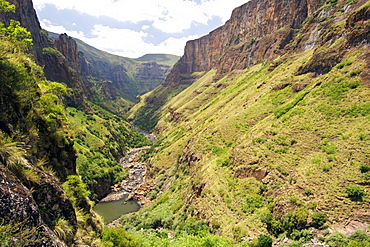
(261, 31)
(20, 209)
(256, 31)
(68, 47)
(149, 75)
(56, 66)
(129, 77)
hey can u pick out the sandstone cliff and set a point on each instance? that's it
(259, 32)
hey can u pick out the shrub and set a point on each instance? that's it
(355, 192)
(364, 168)
(238, 232)
(291, 245)
(295, 220)
(76, 191)
(253, 202)
(264, 241)
(273, 225)
(302, 236)
(308, 191)
(318, 219)
(312, 205)
(63, 229)
(328, 147)
(258, 140)
(359, 239)
(336, 239)
(118, 237)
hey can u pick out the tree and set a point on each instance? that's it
(14, 32)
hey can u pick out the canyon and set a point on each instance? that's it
(261, 133)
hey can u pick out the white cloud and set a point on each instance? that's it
(48, 25)
(123, 42)
(171, 16)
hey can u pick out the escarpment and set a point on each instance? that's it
(257, 31)
(260, 32)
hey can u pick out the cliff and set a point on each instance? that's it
(130, 77)
(149, 75)
(263, 129)
(257, 31)
(56, 67)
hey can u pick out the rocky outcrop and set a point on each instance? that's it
(149, 75)
(108, 90)
(68, 47)
(21, 212)
(56, 67)
(255, 32)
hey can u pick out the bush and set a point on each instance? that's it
(360, 235)
(264, 241)
(258, 140)
(308, 191)
(118, 237)
(336, 239)
(355, 192)
(302, 236)
(318, 219)
(364, 168)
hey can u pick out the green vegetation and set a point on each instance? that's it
(16, 234)
(117, 237)
(101, 139)
(355, 192)
(318, 219)
(240, 156)
(165, 59)
(256, 149)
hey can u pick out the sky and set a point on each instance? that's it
(133, 28)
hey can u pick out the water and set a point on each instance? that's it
(113, 210)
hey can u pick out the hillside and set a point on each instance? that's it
(164, 59)
(262, 133)
(264, 128)
(128, 77)
(53, 161)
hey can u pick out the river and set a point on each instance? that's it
(119, 202)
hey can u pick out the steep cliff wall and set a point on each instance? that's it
(149, 75)
(259, 32)
(255, 32)
(269, 147)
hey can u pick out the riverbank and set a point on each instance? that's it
(136, 178)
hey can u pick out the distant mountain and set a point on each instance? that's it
(165, 59)
(129, 77)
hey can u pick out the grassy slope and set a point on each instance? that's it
(165, 59)
(101, 140)
(312, 143)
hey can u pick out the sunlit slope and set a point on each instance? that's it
(264, 142)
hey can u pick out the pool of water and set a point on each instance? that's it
(113, 210)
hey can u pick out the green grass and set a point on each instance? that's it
(101, 139)
(259, 155)
(239, 127)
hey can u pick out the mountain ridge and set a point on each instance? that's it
(130, 77)
(274, 147)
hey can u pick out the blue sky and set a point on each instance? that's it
(132, 28)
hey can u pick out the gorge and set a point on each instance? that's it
(261, 129)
